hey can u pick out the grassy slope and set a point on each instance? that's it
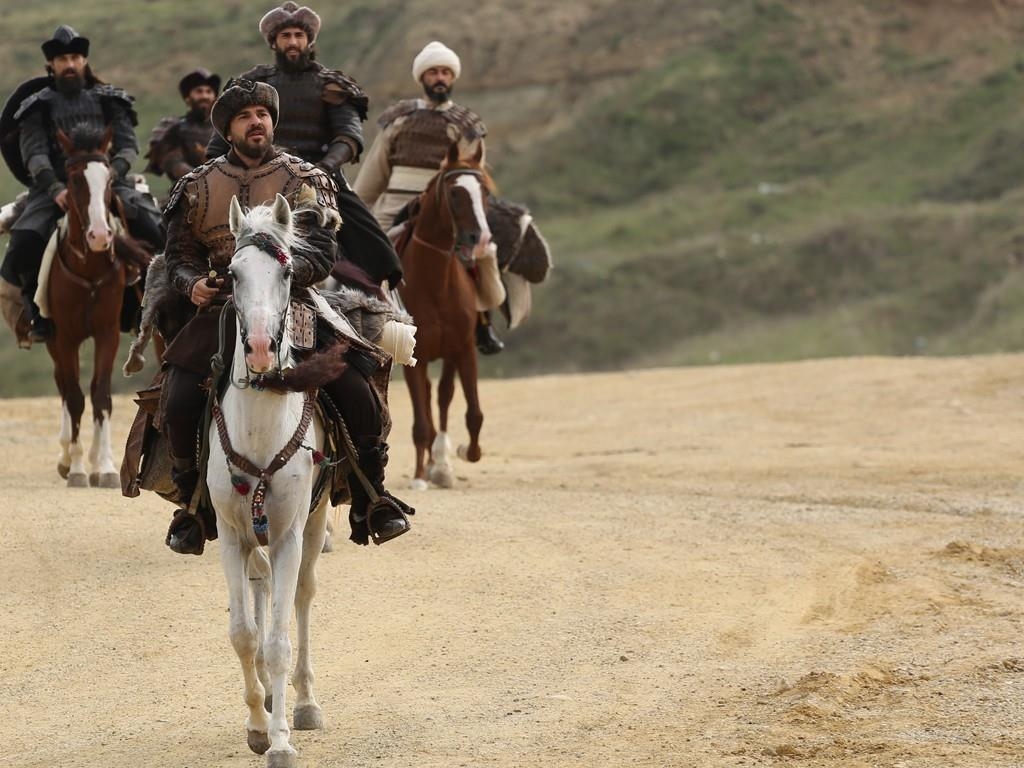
(794, 179)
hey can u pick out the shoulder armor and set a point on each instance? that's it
(110, 92)
(315, 177)
(189, 178)
(260, 72)
(339, 88)
(467, 120)
(36, 99)
(163, 129)
(395, 111)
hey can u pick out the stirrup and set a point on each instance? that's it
(382, 505)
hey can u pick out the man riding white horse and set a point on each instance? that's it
(199, 249)
(414, 138)
(70, 95)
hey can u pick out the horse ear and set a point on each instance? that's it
(478, 156)
(235, 215)
(108, 137)
(65, 142)
(453, 154)
(282, 211)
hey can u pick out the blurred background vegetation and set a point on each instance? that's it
(719, 182)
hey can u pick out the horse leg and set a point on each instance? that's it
(259, 582)
(244, 633)
(474, 416)
(285, 556)
(71, 464)
(418, 382)
(439, 470)
(307, 715)
(101, 456)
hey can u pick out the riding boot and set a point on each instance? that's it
(384, 519)
(41, 328)
(186, 534)
(487, 341)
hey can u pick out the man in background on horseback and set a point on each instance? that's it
(70, 95)
(321, 122)
(414, 138)
(178, 144)
(199, 249)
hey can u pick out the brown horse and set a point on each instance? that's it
(84, 294)
(447, 230)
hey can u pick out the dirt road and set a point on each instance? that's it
(808, 564)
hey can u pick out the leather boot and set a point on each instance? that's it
(384, 519)
(41, 328)
(186, 534)
(487, 341)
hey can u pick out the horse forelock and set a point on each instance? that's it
(86, 138)
(261, 219)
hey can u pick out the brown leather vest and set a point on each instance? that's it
(209, 190)
(422, 141)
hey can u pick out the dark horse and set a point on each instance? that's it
(84, 292)
(447, 229)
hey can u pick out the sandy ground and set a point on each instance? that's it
(813, 564)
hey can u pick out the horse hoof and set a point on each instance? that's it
(417, 484)
(258, 742)
(78, 480)
(282, 758)
(307, 718)
(110, 480)
(63, 470)
(135, 364)
(467, 454)
(441, 476)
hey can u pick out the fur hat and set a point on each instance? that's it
(238, 94)
(65, 40)
(289, 15)
(435, 54)
(198, 77)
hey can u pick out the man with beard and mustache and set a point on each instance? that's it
(199, 242)
(321, 121)
(178, 144)
(413, 139)
(71, 95)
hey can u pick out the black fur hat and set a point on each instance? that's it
(198, 77)
(65, 40)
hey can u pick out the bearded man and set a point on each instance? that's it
(321, 121)
(199, 243)
(414, 137)
(71, 95)
(178, 144)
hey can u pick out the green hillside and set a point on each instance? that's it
(776, 180)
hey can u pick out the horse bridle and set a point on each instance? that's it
(443, 195)
(263, 242)
(85, 159)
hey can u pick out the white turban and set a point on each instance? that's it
(435, 54)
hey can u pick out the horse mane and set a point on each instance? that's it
(86, 138)
(261, 219)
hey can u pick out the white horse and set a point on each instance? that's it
(250, 437)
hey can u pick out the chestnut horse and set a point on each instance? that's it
(84, 293)
(448, 231)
